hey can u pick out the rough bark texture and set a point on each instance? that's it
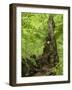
(50, 49)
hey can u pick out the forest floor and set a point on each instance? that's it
(46, 70)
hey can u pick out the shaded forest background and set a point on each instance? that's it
(34, 32)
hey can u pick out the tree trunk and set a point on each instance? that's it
(50, 49)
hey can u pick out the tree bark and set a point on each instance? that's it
(50, 49)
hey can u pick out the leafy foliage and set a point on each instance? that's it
(34, 28)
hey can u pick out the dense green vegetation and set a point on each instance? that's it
(34, 32)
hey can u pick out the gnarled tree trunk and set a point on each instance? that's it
(50, 49)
